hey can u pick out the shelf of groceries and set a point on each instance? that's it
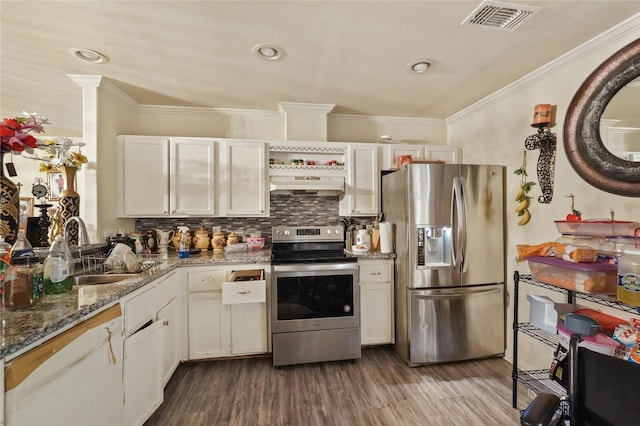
(541, 380)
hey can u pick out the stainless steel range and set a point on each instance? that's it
(315, 300)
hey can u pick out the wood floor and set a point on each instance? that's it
(378, 389)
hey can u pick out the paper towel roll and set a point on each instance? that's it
(386, 238)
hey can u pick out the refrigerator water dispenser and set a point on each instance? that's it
(434, 247)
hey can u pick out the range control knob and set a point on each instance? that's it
(328, 231)
(279, 233)
(287, 232)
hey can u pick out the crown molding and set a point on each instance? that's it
(203, 111)
(388, 120)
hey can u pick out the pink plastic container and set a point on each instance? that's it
(598, 342)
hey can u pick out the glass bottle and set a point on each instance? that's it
(22, 247)
(58, 268)
(23, 283)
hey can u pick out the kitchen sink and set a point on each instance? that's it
(96, 279)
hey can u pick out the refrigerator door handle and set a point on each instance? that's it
(457, 295)
(459, 220)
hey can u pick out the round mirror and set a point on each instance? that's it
(612, 168)
(620, 123)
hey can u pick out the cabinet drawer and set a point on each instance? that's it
(376, 272)
(139, 309)
(206, 280)
(244, 292)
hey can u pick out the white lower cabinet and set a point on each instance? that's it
(2, 392)
(151, 336)
(376, 302)
(169, 318)
(143, 375)
(208, 325)
(74, 378)
(226, 317)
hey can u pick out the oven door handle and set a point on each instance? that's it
(304, 267)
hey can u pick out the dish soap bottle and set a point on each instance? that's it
(183, 249)
(58, 268)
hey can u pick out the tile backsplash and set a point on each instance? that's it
(286, 210)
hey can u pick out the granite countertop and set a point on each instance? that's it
(370, 255)
(22, 329)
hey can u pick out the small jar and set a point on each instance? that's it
(232, 238)
(628, 290)
(218, 242)
(23, 283)
(201, 239)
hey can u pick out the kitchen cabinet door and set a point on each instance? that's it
(247, 305)
(248, 328)
(208, 326)
(144, 177)
(192, 181)
(443, 153)
(392, 152)
(362, 188)
(169, 318)
(246, 179)
(376, 302)
(2, 392)
(143, 373)
(74, 378)
(166, 176)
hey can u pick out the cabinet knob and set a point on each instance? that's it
(165, 322)
(165, 212)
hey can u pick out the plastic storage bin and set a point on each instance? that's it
(581, 324)
(608, 323)
(597, 343)
(598, 228)
(544, 313)
(584, 277)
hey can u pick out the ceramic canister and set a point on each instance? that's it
(218, 242)
(232, 238)
(201, 239)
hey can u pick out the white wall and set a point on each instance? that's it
(494, 131)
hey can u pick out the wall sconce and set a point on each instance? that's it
(544, 140)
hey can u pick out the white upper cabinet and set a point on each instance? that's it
(166, 176)
(391, 152)
(143, 159)
(245, 182)
(362, 188)
(444, 153)
(192, 181)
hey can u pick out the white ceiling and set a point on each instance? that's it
(350, 53)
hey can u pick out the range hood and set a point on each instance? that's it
(322, 185)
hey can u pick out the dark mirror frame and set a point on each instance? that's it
(582, 141)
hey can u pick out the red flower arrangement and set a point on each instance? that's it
(15, 132)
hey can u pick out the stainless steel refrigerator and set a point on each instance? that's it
(448, 221)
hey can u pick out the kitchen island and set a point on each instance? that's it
(26, 328)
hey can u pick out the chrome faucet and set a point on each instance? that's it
(83, 236)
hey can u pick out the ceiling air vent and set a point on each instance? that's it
(500, 16)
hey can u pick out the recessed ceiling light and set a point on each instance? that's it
(418, 67)
(269, 52)
(88, 55)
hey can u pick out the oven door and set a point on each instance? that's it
(314, 297)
